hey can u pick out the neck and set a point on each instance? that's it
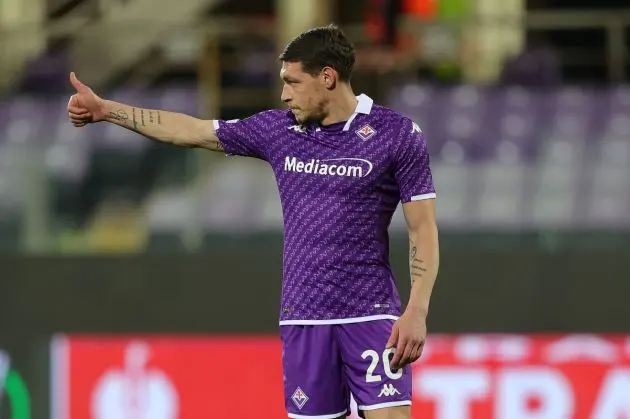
(341, 106)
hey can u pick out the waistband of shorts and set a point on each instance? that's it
(307, 322)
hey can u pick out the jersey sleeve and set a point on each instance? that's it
(247, 137)
(411, 165)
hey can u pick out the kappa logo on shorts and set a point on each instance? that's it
(299, 398)
(388, 390)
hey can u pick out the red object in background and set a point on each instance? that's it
(375, 24)
(524, 377)
(382, 18)
(460, 377)
(211, 377)
(423, 9)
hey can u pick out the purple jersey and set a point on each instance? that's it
(339, 186)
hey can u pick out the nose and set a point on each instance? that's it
(285, 96)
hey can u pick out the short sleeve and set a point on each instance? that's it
(247, 137)
(411, 165)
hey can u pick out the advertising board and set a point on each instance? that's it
(459, 377)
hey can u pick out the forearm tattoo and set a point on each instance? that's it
(135, 121)
(154, 117)
(120, 116)
(416, 264)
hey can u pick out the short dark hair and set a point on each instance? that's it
(321, 47)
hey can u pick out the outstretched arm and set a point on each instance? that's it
(170, 127)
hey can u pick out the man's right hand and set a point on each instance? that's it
(174, 128)
(84, 106)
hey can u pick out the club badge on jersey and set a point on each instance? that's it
(366, 132)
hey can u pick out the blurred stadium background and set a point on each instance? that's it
(130, 263)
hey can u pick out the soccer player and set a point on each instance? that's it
(342, 164)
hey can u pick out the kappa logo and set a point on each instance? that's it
(366, 132)
(388, 391)
(299, 398)
(297, 128)
(415, 128)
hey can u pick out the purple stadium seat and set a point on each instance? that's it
(501, 157)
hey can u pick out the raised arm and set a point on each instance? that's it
(170, 127)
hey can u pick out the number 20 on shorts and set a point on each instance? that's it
(370, 377)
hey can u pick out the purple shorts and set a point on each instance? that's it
(324, 364)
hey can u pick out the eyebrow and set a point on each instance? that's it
(289, 79)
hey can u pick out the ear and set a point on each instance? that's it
(330, 77)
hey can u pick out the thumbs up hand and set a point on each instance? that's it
(84, 106)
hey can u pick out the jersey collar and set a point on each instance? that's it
(364, 106)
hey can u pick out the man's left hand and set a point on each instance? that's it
(408, 336)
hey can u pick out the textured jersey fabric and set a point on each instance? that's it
(339, 186)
